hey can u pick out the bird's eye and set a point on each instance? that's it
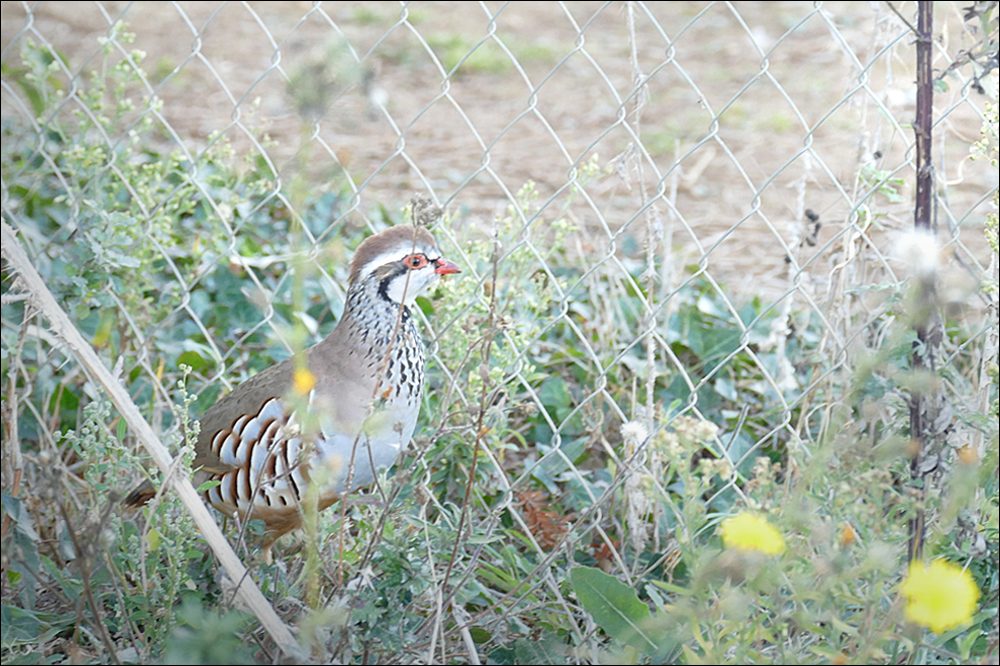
(416, 261)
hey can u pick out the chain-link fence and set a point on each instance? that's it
(685, 232)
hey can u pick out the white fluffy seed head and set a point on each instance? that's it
(919, 250)
(634, 432)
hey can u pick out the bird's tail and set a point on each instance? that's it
(140, 495)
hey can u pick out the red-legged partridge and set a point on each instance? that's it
(369, 373)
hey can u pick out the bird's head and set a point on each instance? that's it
(400, 263)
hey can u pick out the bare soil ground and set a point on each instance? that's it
(751, 115)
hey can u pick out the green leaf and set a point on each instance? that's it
(480, 635)
(615, 607)
(19, 626)
(104, 329)
(193, 359)
(66, 548)
(23, 627)
(13, 507)
(670, 587)
(502, 656)
(545, 649)
(554, 393)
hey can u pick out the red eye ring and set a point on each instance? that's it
(415, 261)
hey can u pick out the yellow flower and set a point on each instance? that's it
(303, 381)
(941, 596)
(848, 535)
(747, 532)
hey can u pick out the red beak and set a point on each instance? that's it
(444, 267)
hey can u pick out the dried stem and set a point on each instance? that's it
(922, 406)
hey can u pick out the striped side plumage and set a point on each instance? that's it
(264, 450)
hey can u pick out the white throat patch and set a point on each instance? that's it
(404, 291)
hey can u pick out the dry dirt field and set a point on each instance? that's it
(752, 114)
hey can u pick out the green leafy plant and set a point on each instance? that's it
(597, 445)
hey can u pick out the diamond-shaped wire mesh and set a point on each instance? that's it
(697, 208)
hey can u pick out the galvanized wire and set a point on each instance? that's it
(466, 102)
